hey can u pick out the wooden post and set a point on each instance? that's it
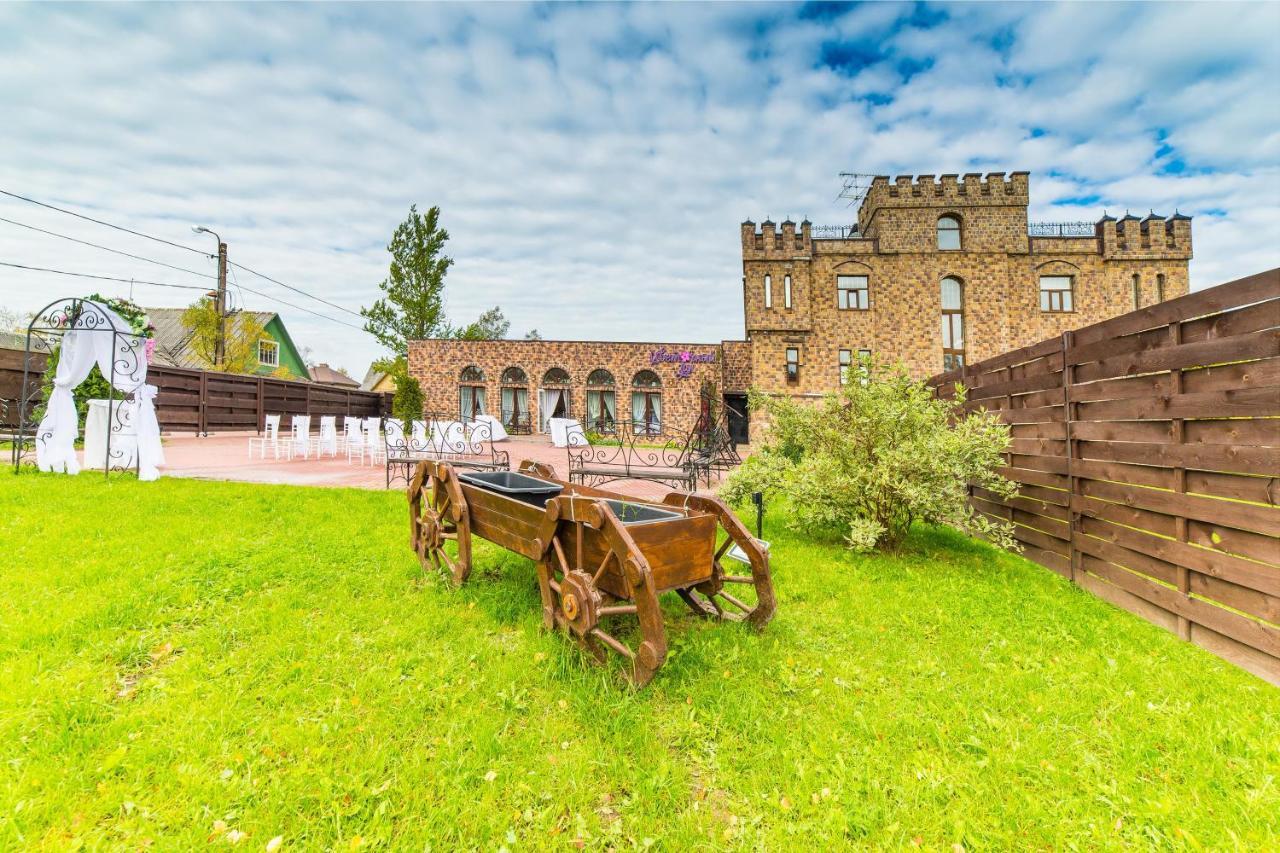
(1178, 438)
(1069, 415)
(262, 413)
(202, 417)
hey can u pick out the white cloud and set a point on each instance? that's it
(593, 161)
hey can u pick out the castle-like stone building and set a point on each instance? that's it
(935, 274)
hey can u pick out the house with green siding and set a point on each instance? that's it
(276, 349)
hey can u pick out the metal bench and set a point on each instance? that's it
(635, 452)
(441, 438)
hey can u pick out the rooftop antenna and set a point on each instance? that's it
(854, 186)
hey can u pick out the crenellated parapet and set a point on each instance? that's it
(1153, 236)
(947, 191)
(768, 241)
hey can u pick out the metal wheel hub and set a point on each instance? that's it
(580, 602)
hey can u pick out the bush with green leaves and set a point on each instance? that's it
(866, 463)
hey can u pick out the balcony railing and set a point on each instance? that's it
(1060, 229)
(834, 232)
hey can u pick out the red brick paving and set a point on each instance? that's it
(226, 457)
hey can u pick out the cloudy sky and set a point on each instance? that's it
(593, 161)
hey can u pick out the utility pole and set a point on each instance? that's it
(220, 354)
(219, 298)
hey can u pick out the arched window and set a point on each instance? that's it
(556, 376)
(1160, 287)
(602, 402)
(471, 392)
(646, 379)
(646, 403)
(1137, 291)
(515, 401)
(952, 323)
(948, 232)
(768, 291)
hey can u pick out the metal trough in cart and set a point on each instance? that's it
(603, 557)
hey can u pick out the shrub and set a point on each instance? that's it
(867, 462)
(407, 402)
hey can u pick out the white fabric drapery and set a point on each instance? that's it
(98, 336)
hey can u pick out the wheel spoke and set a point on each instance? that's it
(613, 643)
(735, 602)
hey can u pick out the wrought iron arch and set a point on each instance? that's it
(556, 376)
(514, 376)
(600, 378)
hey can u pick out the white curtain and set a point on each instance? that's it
(98, 336)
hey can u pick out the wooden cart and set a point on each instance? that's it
(603, 557)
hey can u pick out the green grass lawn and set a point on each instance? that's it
(186, 661)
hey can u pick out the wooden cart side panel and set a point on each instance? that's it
(679, 553)
(506, 522)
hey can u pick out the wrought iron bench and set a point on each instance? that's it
(634, 453)
(441, 438)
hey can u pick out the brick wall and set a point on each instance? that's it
(438, 364)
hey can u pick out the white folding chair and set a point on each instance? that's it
(270, 438)
(300, 441)
(373, 439)
(328, 440)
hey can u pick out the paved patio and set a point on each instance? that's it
(226, 457)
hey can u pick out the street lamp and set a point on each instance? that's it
(220, 298)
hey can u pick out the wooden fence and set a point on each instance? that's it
(206, 401)
(1147, 450)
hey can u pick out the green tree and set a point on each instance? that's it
(883, 453)
(413, 305)
(243, 332)
(492, 325)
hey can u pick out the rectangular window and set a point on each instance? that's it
(1160, 287)
(786, 291)
(852, 293)
(1137, 291)
(768, 291)
(269, 353)
(793, 364)
(846, 361)
(864, 366)
(1056, 293)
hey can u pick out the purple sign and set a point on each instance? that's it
(684, 360)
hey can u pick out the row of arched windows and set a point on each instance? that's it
(556, 401)
(559, 376)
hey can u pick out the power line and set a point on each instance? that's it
(100, 222)
(297, 290)
(103, 277)
(179, 246)
(106, 248)
(179, 286)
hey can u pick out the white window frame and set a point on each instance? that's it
(768, 291)
(1066, 301)
(956, 231)
(859, 297)
(273, 347)
(786, 291)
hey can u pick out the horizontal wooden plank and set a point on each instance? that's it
(1205, 561)
(1264, 344)
(1156, 522)
(1144, 431)
(1258, 635)
(1243, 516)
(1239, 321)
(1204, 457)
(1120, 472)
(1042, 382)
(1045, 430)
(1039, 414)
(1258, 432)
(1025, 503)
(1127, 601)
(1240, 487)
(1239, 403)
(1056, 563)
(1242, 598)
(1260, 664)
(1230, 540)
(1135, 561)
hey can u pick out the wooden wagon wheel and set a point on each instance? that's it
(711, 598)
(437, 516)
(572, 601)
